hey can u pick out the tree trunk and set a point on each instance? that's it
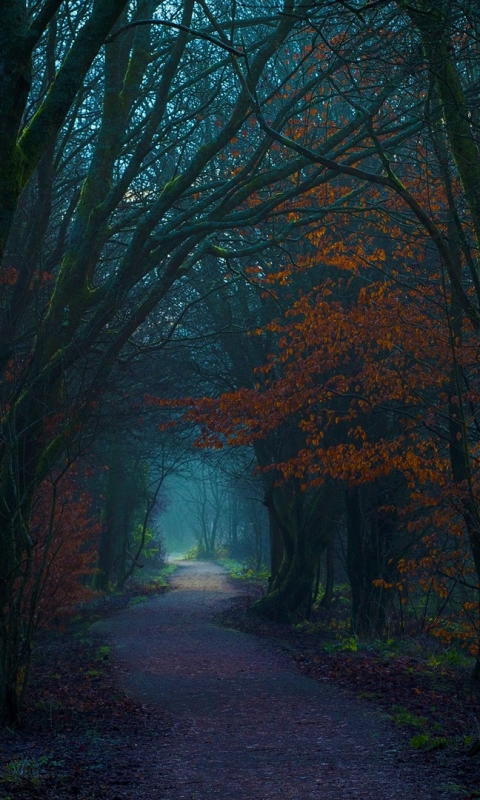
(305, 525)
(369, 544)
(327, 598)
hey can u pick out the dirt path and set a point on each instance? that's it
(247, 725)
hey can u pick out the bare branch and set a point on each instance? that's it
(179, 27)
(40, 24)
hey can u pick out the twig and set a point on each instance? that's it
(179, 27)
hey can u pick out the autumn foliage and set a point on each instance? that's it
(365, 368)
(65, 534)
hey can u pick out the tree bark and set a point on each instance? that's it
(369, 543)
(306, 526)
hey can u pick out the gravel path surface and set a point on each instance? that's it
(247, 725)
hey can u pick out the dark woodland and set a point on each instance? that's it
(240, 376)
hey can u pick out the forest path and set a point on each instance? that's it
(247, 725)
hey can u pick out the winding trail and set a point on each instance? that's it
(247, 725)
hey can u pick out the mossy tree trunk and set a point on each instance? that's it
(22, 149)
(305, 521)
(27, 454)
(71, 344)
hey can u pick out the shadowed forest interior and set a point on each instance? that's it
(239, 310)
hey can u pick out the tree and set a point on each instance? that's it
(64, 540)
(119, 245)
(438, 75)
(173, 148)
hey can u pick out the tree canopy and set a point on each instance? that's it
(274, 209)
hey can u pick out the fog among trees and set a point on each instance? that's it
(239, 307)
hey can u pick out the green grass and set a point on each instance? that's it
(424, 741)
(21, 770)
(199, 553)
(241, 571)
(158, 577)
(231, 564)
(451, 658)
(103, 653)
(402, 716)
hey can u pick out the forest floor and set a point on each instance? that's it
(171, 698)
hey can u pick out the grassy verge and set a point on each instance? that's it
(243, 572)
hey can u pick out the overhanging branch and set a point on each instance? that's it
(179, 27)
